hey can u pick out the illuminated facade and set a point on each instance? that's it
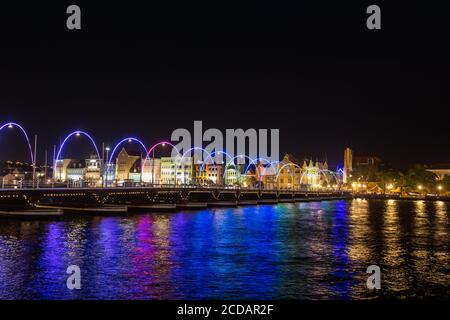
(208, 174)
(348, 164)
(60, 173)
(232, 175)
(151, 171)
(175, 171)
(289, 173)
(76, 170)
(93, 171)
(124, 165)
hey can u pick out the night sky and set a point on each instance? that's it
(313, 71)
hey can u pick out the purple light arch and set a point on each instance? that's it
(291, 172)
(130, 139)
(14, 124)
(77, 133)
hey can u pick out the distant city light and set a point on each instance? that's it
(419, 187)
(439, 187)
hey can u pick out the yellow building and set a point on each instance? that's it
(289, 173)
(176, 171)
(124, 164)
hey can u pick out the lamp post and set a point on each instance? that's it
(419, 187)
(34, 160)
(107, 166)
(153, 167)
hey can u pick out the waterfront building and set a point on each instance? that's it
(232, 175)
(16, 172)
(175, 171)
(76, 170)
(211, 174)
(109, 174)
(289, 174)
(93, 175)
(267, 175)
(124, 165)
(134, 175)
(60, 170)
(14, 178)
(151, 171)
(249, 180)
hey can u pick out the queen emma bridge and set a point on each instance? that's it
(50, 197)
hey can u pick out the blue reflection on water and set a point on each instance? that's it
(315, 250)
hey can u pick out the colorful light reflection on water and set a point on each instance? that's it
(315, 250)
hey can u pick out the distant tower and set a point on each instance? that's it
(348, 163)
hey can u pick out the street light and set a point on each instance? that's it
(419, 187)
(107, 165)
(439, 187)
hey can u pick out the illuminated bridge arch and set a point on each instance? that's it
(271, 165)
(162, 143)
(323, 171)
(76, 133)
(268, 164)
(193, 149)
(210, 156)
(184, 155)
(291, 171)
(123, 141)
(13, 124)
(332, 173)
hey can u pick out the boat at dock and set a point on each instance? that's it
(32, 214)
(103, 210)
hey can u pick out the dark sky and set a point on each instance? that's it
(312, 70)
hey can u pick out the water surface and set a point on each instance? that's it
(314, 250)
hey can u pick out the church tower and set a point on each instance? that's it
(348, 163)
